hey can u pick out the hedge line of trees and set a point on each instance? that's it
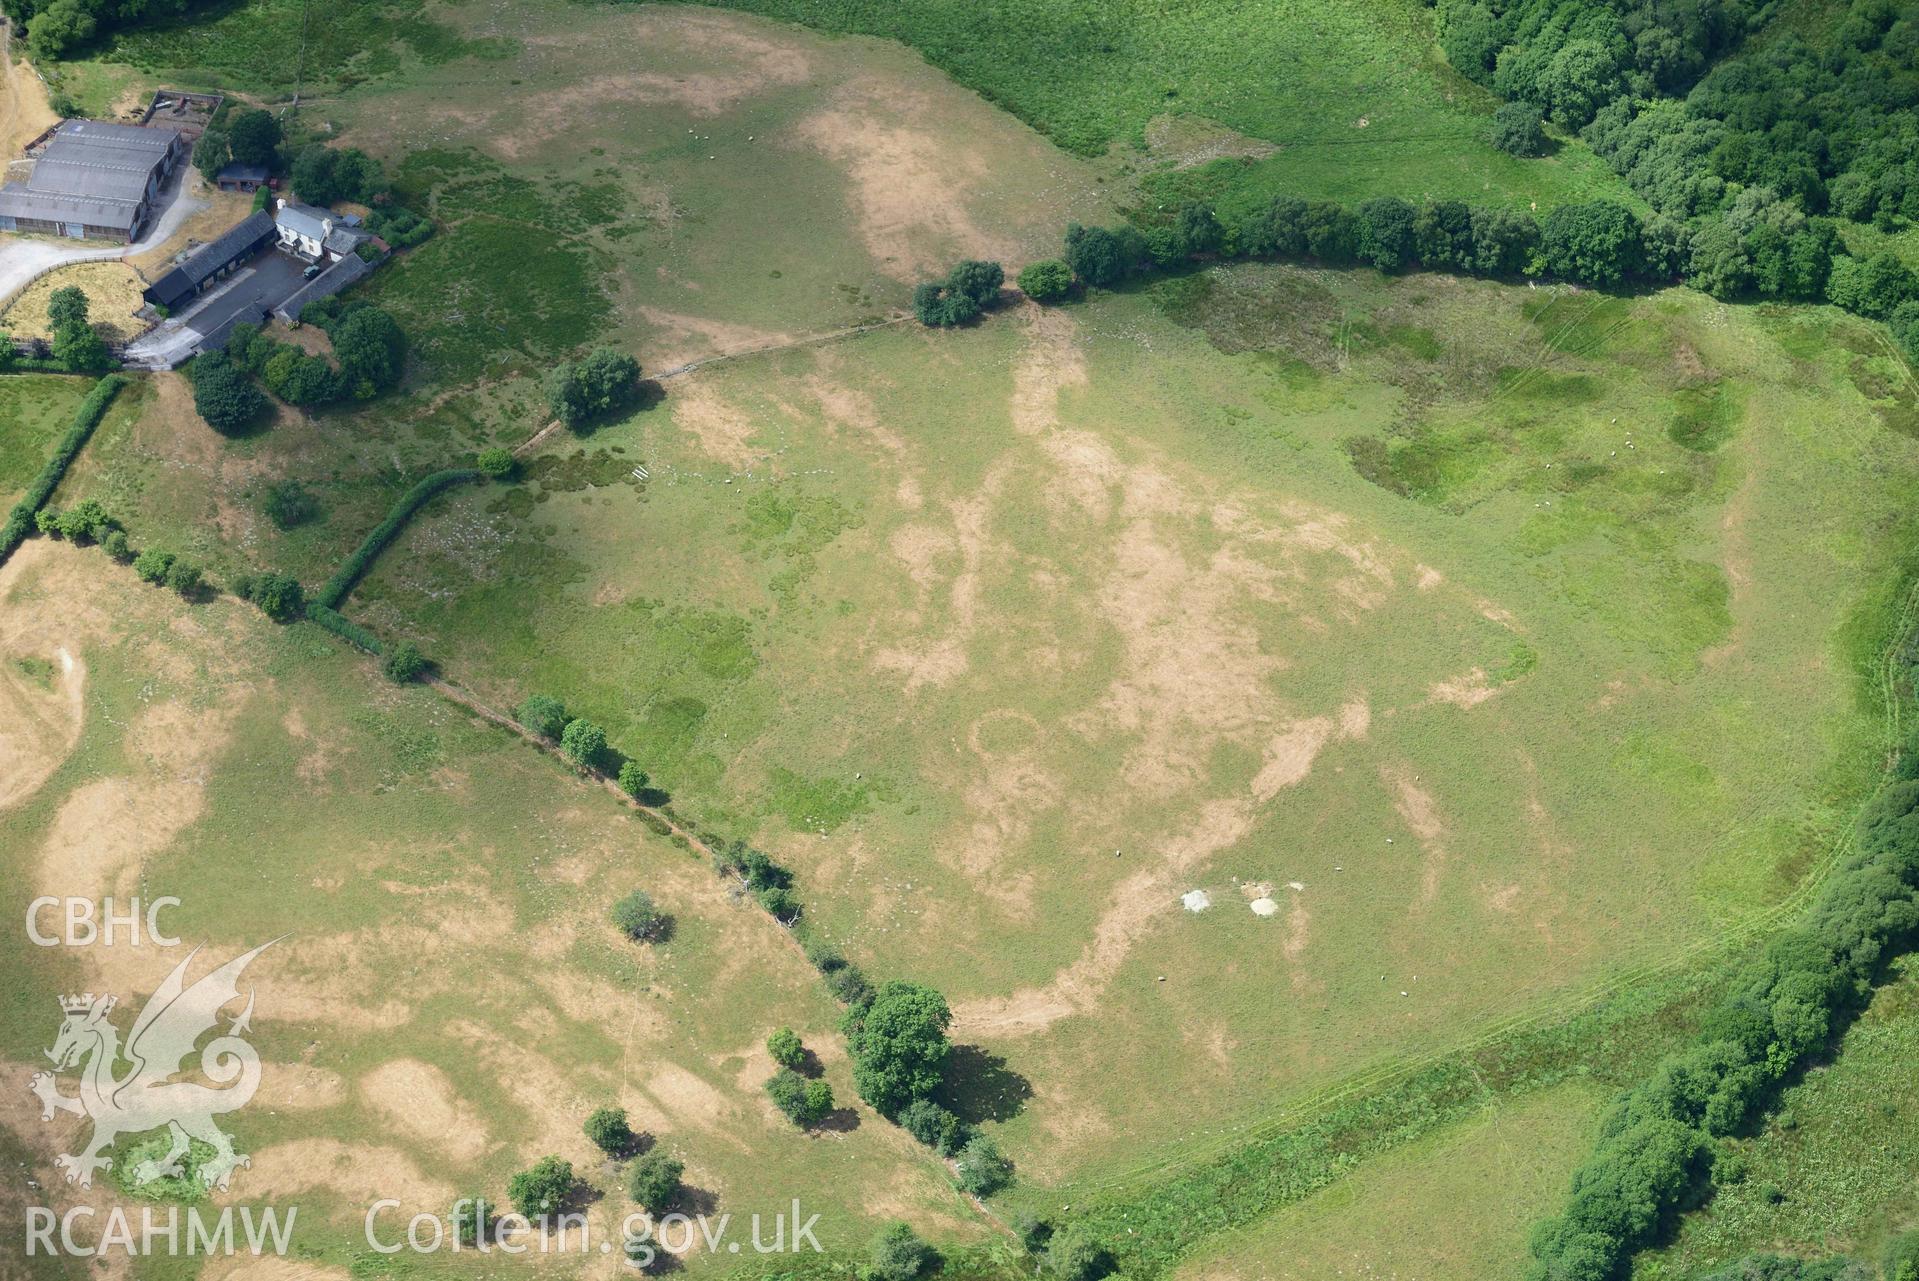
(1900, 1262)
(896, 1032)
(20, 521)
(345, 628)
(89, 522)
(335, 589)
(1762, 245)
(1658, 1142)
(279, 596)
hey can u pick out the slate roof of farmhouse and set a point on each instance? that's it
(304, 220)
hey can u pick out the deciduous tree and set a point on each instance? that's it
(899, 1045)
(543, 1189)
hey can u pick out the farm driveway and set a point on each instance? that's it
(22, 259)
(249, 295)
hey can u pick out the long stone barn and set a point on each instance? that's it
(211, 262)
(94, 180)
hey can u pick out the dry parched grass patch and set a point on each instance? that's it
(113, 295)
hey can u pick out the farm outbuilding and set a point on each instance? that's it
(212, 261)
(93, 180)
(344, 271)
(239, 177)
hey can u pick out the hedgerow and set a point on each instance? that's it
(342, 626)
(1655, 1146)
(336, 588)
(85, 419)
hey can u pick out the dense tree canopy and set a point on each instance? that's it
(322, 175)
(1518, 128)
(75, 344)
(279, 596)
(1596, 243)
(1688, 118)
(609, 1130)
(1047, 280)
(654, 1180)
(1102, 256)
(898, 1254)
(542, 1190)
(1385, 232)
(939, 307)
(253, 137)
(58, 28)
(371, 350)
(543, 714)
(638, 917)
(583, 741)
(223, 394)
(580, 391)
(899, 1045)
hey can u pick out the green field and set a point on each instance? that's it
(1092, 74)
(1242, 694)
(1831, 1173)
(1458, 1205)
(899, 646)
(37, 409)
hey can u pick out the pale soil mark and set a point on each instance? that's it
(1417, 809)
(1146, 895)
(1469, 690)
(106, 828)
(910, 185)
(419, 1099)
(361, 1172)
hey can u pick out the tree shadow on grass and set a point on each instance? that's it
(637, 1143)
(696, 1201)
(580, 1196)
(979, 1086)
(838, 1121)
(647, 395)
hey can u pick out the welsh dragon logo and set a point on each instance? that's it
(145, 1097)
